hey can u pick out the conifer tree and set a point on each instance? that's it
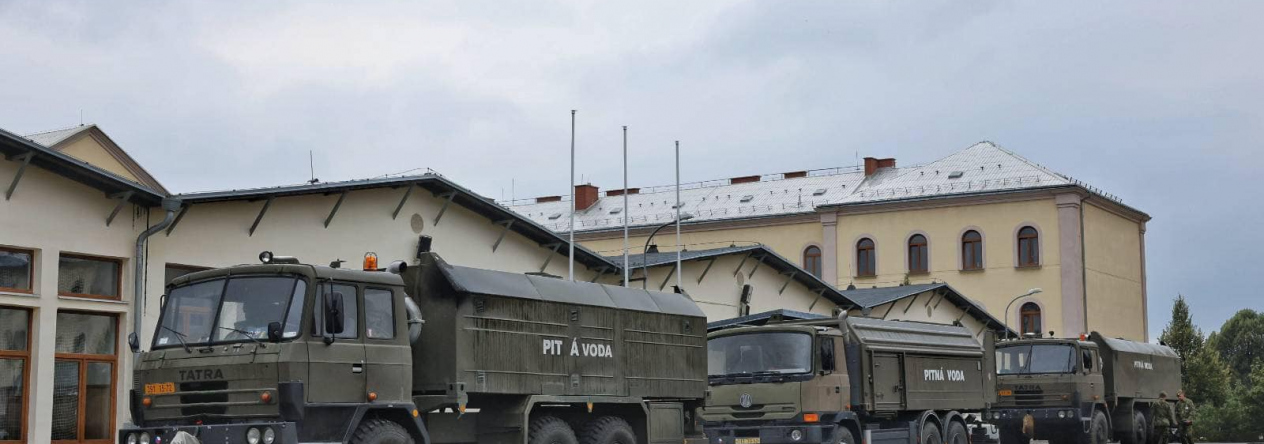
(1182, 336)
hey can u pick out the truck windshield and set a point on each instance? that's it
(1035, 358)
(760, 353)
(236, 309)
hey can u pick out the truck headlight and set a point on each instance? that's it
(1062, 414)
(144, 437)
(252, 436)
(796, 435)
(268, 435)
(131, 438)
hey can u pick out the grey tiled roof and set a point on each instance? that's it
(868, 298)
(50, 138)
(981, 168)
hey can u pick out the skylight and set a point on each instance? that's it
(819, 192)
(747, 198)
(554, 216)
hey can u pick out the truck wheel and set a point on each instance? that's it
(930, 434)
(842, 435)
(1099, 429)
(957, 434)
(380, 431)
(1013, 435)
(550, 430)
(1137, 434)
(607, 430)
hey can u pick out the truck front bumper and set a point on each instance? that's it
(769, 433)
(282, 432)
(1048, 420)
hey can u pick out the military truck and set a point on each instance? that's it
(283, 352)
(839, 380)
(1092, 389)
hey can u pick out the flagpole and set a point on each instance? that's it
(626, 272)
(679, 281)
(571, 256)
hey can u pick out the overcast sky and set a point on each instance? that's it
(1160, 103)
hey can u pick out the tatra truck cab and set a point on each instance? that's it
(1087, 390)
(283, 352)
(838, 381)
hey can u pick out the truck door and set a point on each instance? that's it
(888, 382)
(336, 370)
(387, 354)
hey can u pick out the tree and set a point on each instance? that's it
(1182, 336)
(1240, 342)
(1209, 378)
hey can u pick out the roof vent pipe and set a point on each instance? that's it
(170, 205)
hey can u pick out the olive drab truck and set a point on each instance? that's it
(1087, 390)
(284, 352)
(843, 380)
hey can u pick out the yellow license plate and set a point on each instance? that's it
(160, 388)
(746, 441)
(1005, 392)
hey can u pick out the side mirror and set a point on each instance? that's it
(133, 342)
(1088, 360)
(828, 362)
(274, 331)
(333, 313)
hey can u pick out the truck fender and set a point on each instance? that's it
(394, 411)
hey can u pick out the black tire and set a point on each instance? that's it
(550, 430)
(380, 431)
(1098, 429)
(930, 434)
(1013, 435)
(842, 435)
(607, 430)
(957, 434)
(1138, 434)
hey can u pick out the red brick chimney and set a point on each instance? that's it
(794, 175)
(544, 199)
(743, 179)
(585, 196)
(872, 165)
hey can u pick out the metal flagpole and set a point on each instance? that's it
(626, 272)
(679, 281)
(571, 256)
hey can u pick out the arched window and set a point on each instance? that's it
(866, 262)
(1028, 247)
(972, 251)
(917, 260)
(812, 260)
(1030, 315)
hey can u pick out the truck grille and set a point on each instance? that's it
(190, 397)
(1031, 398)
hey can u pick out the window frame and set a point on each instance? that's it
(118, 280)
(1033, 247)
(869, 266)
(318, 306)
(968, 246)
(83, 360)
(394, 326)
(923, 254)
(30, 278)
(813, 260)
(1036, 312)
(25, 356)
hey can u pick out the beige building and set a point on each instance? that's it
(76, 210)
(985, 220)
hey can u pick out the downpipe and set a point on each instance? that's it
(170, 205)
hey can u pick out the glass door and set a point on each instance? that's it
(83, 378)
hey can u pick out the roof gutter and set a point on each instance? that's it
(170, 205)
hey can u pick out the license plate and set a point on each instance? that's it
(746, 441)
(160, 388)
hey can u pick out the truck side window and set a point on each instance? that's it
(1088, 360)
(828, 363)
(379, 314)
(350, 311)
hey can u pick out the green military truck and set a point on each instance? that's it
(839, 380)
(284, 352)
(1087, 390)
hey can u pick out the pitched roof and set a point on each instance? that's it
(757, 253)
(869, 298)
(763, 318)
(432, 182)
(982, 168)
(14, 146)
(60, 139)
